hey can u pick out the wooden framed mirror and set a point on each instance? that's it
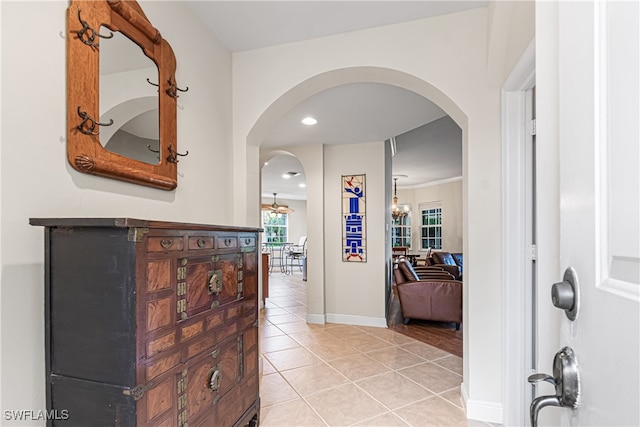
(96, 112)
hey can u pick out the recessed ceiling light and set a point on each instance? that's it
(302, 185)
(309, 121)
(286, 176)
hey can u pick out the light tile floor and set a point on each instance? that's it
(341, 375)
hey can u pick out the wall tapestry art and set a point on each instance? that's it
(354, 213)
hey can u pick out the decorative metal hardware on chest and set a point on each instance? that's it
(182, 288)
(182, 398)
(215, 378)
(240, 358)
(138, 391)
(136, 234)
(182, 308)
(215, 283)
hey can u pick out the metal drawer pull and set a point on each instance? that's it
(247, 242)
(166, 243)
(215, 379)
(227, 242)
(201, 243)
(214, 285)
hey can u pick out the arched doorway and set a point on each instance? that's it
(311, 157)
(481, 176)
(283, 207)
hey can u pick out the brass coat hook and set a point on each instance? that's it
(173, 89)
(87, 35)
(88, 124)
(173, 155)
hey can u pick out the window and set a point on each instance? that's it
(275, 227)
(401, 231)
(431, 228)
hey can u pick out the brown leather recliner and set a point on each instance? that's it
(435, 298)
(451, 262)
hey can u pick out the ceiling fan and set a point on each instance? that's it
(276, 208)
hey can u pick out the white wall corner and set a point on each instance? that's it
(515, 330)
(347, 319)
(523, 75)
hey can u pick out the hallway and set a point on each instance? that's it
(341, 375)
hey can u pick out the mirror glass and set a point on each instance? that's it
(127, 98)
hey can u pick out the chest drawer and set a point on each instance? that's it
(209, 378)
(226, 242)
(200, 242)
(163, 244)
(247, 241)
(207, 282)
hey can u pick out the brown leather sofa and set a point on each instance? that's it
(450, 261)
(436, 297)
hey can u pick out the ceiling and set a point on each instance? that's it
(352, 113)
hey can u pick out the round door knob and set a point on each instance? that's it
(566, 294)
(562, 295)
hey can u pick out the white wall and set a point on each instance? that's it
(447, 60)
(355, 281)
(449, 195)
(297, 220)
(38, 182)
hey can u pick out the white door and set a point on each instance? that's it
(599, 160)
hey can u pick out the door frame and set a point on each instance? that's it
(517, 330)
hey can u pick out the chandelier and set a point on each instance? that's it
(396, 213)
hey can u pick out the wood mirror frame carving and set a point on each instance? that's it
(85, 153)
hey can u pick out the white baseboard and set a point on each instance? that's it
(481, 410)
(347, 319)
(316, 319)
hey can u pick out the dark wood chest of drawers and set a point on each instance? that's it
(151, 323)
